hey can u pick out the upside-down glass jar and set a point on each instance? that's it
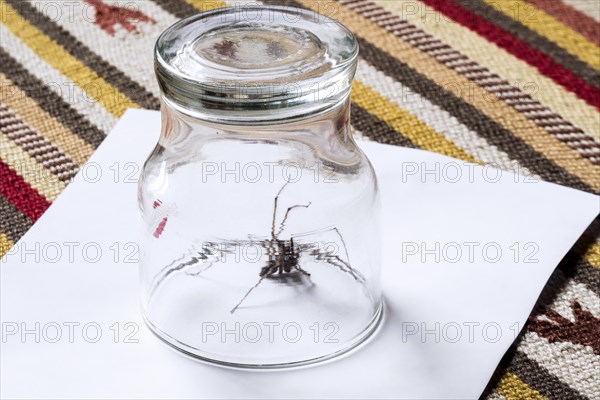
(261, 242)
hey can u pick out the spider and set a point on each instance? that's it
(285, 256)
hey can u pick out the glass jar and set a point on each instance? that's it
(260, 245)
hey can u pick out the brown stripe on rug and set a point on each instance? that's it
(36, 145)
(13, 222)
(50, 101)
(541, 115)
(40, 120)
(96, 63)
(575, 267)
(178, 8)
(534, 39)
(376, 129)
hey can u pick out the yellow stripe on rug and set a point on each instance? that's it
(207, 5)
(551, 28)
(34, 173)
(96, 87)
(29, 111)
(435, 117)
(402, 121)
(513, 388)
(593, 254)
(5, 244)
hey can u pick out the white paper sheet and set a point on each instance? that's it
(105, 351)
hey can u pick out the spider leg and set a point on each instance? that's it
(275, 209)
(269, 270)
(177, 265)
(270, 244)
(248, 293)
(335, 260)
(339, 263)
(357, 275)
(210, 264)
(305, 272)
(285, 217)
(173, 266)
(343, 242)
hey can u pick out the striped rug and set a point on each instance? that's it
(514, 83)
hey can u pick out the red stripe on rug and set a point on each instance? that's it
(20, 193)
(518, 48)
(575, 19)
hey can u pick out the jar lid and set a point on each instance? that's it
(254, 63)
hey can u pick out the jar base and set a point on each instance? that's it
(357, 342)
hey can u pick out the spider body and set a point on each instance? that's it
(284, 259)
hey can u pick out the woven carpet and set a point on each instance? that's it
(513, 83)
